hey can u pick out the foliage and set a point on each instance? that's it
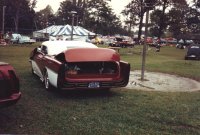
(64, 12)
(19, 15)
(161, 20)
(44, 18)
(95, 15)
(101, 19)
(176, 19)
(155, 21)
(135, 10)
(193, 20)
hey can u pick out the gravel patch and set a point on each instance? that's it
(161, 82)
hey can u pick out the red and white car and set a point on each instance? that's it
(78, 65)
(9, 85)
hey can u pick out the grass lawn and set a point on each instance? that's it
(118, 112)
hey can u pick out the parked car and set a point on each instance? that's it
(121, 42)
(78, 65)
(108, 41)
(97, 40)
(3, 42)
(9, 85)
(183, 44)
(20, 39)
(193, 52)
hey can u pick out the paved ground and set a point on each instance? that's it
(162, 82)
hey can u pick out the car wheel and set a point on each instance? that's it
(47, 84)
(32, 71)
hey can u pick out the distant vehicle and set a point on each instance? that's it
(3, 42)
(171, 40)
(20, 39)
(78, 65)
(96, 40)
(193, 52)
(121, 42)
(149, 40)
(108, 41)
(183, 44)
(9, 85)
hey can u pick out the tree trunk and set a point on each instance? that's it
(84, 10)
(74, 2)
(80, 3)
(16, 19)
(162, 19)
(140, 26)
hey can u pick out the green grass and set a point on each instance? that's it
(118, 112)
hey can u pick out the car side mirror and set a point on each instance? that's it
(39, 49)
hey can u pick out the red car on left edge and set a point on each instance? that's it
(9, 85)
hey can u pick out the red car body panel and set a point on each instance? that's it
(78, 67)
(84, 54)
(9, 85)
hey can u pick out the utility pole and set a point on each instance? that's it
(3, 19)
(73, 14)
(148, 6)
(145, 46)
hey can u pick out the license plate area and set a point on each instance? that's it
(94, 85)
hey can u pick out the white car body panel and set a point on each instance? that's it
(53, 77)
(36, 69)
(56, 47)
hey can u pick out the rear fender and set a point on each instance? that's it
(33, 53)
(61, 76)
(124, 72)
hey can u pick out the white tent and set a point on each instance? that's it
(66, 31)
(50, 29)
(44, 33)
(62, 30)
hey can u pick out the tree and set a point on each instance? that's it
(64, 12)
(192, 16)
(101, 18)
(164, 4)
(155, 21)
(96, 15)
(44, 17)
(177, 19)
(137, 9)
(19, 14)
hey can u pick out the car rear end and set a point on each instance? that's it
(95, 69)
(193, 52)
(9, 85)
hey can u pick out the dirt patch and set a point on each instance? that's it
(162, 82)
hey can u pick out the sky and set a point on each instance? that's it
(116, 5)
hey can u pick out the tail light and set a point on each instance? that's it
(5, 90)
(71, 72)
(14, 81)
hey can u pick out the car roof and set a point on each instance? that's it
(195, 44)
(3, 63)
(56, 47)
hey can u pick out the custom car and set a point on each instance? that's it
(121, 42)
(9, 85)
(20, 39)
(193, 52)
(78, 65)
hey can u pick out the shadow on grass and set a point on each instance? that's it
(84, 94)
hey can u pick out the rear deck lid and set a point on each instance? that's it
(91, 54)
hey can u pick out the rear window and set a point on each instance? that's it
(195, 47)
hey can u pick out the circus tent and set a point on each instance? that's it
(62, 30)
